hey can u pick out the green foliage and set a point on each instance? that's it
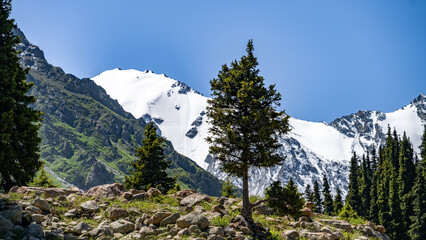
(418, 227)
(19, 123)
(348, 212)
(309, 196)
(175, 189)
(221, 221)
(43, 180)
(284, 201)
(317, 200)
(365, 186)
(149, 169)
(328, 200)
(245, 126)
(338, 202)
(353, 198)
(228, 189)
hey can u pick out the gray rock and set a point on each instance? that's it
(215, 237)
(217, 231)
(32, 209)
(193, 218)
(246, 230)
(184, 232)
(82, 226)
(38, 218)
(140, 196)
(90, 206)
(71, 213)
(54, 236)
(219, 209)
(145, 231)
(170, 219)
(122, 226)
(158, 217)
(5, 225)
(117, 213)
(13, 212)
(193, 199)
(42, 204)
(174, 230)
(35, 230)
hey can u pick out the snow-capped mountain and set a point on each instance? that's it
(311, 148)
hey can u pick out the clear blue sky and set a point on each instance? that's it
(328, 58)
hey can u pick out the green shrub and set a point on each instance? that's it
(287, 201)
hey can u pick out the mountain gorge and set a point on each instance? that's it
(87, 137)
(311, 148)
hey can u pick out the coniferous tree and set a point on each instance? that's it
(228, 189)
(417, 230)
(353, 197)
(309, 196)
(338, 202)
(19, 123)
(245, 127)
(373, 211)
(365, 186)
(149, 170)
(328, 200)
(317, 198)
(42, 179)
(423, 151)
(396, 228)
(287, 200)
(383, 180)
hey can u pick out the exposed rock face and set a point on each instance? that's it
(99, 175)
(193, 218)
(106, 190)
(48, 192)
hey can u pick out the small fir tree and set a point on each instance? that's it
(19, 123)
(328, 200)
(149, 170)
(245, 126)
(284, 200)
(338, 202)
(317, 198)
(309, 195)
(228, 189)
(43, 179)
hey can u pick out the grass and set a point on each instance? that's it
(221, 221)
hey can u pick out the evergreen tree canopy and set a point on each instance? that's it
(328, 200)
(149, 170)
(228, 189)
(353, 198)
(317, 198)
(286, 200)
(418, 227)
(245, 125)
(43, 180)
(309, 195)
(19, 123)
(338, 202)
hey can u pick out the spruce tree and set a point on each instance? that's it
(383, 180)
(285, 200)
(365, 186)
(423, 151)
(19, 123)
(317, 198)
(417, 230)
(245, 126)
(228, 189)
(338, 202)
(42, 179)
(328, 200)
(396, 228)
(309, 196)
(149, 170)
(353, 197)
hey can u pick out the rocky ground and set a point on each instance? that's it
(110, 212)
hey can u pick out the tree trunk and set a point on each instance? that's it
(246, 211)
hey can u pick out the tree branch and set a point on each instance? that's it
(257, 203)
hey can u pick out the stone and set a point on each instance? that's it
(239, 221)
(35, 230)
(246, 230)
(220, 209)
(146, 231)
(5, 225)
(106, 230)
(307, 212)
(117, 213)
(127, 195)
(153, 192)
(290, 234)
(215, 237)
(184, 232)
(13, 212)
(38, 218)
(90, 206)
(80, 227)
(193, 199)
(53, 236)
(370, 225)
(217, 231)
(32, 209)
(174, 230)
(48, 192)
(72, 198)
(158, 217)
(42, 204)
(303, 219)
(381, 229)
(122, 226)
(184, 193)
(71, 213)
(309, 205)
(140, 196)
(193, 218)
(106, 190)
(326, 230)
(170, 219)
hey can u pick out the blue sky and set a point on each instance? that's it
(328, 58)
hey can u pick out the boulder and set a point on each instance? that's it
(13, 212)
(90, 206)
(145, 231)
(170, 219)
(106, 190)
(184, 232)
(217, 231)
(42, 204)
(5, 225)
(246, 230)
(309, 205)
(290, 234)
(193, 218)
(35, 230)
(193, 199)
(117, 213)
(380, 229)
(140, 196)
(71, 213)
(219, 209)
(33, 210)
(184, 193)
(80, 227)
(122, 226)
(48, 192)
(158, 217)
(38, 218)
(307, 212)
(127, 195)
(153, 192)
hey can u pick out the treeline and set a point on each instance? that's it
(387, 186)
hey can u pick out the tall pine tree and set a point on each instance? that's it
(309, 196)
(353, 197)
(417, 229)
(317, 198)
(328, 200)
(365, 186)
(245, 126)
(338, 202)
(19, 123)
(149, 170)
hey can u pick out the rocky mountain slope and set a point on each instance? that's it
(87, 137)
(108, 212)
(311, 148)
